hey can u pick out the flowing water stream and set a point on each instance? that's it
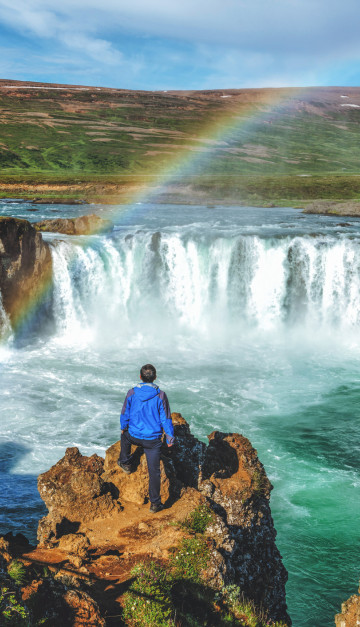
(252, 317)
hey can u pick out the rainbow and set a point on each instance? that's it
(212, 138)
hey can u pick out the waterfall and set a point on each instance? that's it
(196, 281)
(5, 325)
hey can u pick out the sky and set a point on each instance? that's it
(181, 44)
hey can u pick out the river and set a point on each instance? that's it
(252, 318)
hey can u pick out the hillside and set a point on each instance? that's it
(250, 144)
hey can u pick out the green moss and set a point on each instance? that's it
(198, 520)
(17, 572)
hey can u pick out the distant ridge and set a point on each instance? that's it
(249, 145)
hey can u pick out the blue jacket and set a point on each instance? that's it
(146, 413)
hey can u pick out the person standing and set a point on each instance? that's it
(144, 418)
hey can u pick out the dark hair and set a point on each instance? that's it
(148, 373)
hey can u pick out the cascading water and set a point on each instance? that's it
(252, 318)
(266, 282)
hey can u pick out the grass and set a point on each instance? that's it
(176, 593)
(94, 140)
(17, 572)
(160, 597)
(199, 519)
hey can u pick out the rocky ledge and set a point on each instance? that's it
(83, 225)
(212, 548)
(350, 612)
(25, 266)
(347, 208)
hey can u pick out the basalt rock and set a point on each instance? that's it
(236, 484)
(350, 612)
(25, 266)
(83, 225)
(94, 505)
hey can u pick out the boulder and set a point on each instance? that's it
(74, 491)
(83, 225)
(85, 611)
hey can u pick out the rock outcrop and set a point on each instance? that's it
(350, 208)
(55, 601)
(350, 612)
(99, 522)
(25, 266)
(83, 225)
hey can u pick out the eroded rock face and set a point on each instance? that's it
(74, 491)
(83, 225)
(235, 482)
(89, 497)
(25, 266)
(350, 612)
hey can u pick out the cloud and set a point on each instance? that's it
(167, 43)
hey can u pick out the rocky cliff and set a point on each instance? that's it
(99, 528)
(25, 266)
(350, 612)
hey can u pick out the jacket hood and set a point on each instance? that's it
(146, 391)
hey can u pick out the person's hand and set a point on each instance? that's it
(170, 445)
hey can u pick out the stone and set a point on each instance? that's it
(83, 225)
(350, 612)
(76, 544)
(84, 609)
(74, 491)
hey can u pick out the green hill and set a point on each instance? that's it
(273, 145)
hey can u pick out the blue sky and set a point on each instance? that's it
(181, 44)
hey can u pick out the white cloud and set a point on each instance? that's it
(236, 42)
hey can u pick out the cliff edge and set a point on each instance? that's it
(25, 267)
(212, 549)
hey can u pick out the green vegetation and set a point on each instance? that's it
(149, 600)
(160, 597)
(199, 519)
(175, 593)
(17, 572)
(12, 612)
(190, 559)
(273, 146)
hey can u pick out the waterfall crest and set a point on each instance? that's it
(195, 282)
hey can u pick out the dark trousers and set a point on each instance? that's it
(152, 452)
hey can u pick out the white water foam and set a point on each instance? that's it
(263, 282)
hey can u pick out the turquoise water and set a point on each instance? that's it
(252, 319)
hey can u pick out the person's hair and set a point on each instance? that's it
(148, 373)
